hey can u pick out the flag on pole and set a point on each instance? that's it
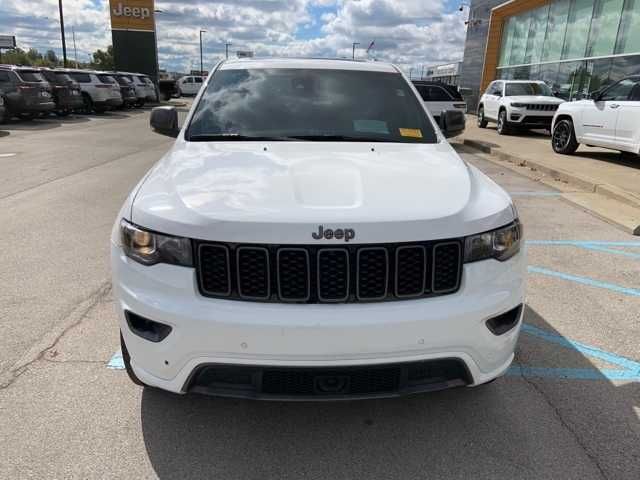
(371, 46)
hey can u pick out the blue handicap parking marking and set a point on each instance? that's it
(628, 370)
(116, 362)
(586, 281)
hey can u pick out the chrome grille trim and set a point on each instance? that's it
(433, 268)
(293, 299)
(226, 250)
(250, 297)
(386, 283)
(348, 263)
(424, 271)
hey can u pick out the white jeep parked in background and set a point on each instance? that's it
(517, 104)
(609, 119)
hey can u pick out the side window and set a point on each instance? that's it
(634, 96)
(189, 80)
(497, 89)
(4, 77)
(489, 89)
(198, 79)
(437, 94)
(81, 77)
(424, 93)
(619, 91)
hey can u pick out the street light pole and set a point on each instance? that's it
(226, 50)
(75, 50)
(353, 52)
(64, 43)
(201, 68)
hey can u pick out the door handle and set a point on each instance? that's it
(614, 105)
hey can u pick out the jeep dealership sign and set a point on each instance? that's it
(132, 15)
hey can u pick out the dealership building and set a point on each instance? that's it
(575, 46)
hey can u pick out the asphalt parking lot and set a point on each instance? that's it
(568, 408)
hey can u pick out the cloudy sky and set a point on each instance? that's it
(411, 33)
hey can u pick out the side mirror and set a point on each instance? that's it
(164, 120)
(452, 122)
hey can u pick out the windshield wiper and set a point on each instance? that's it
(338, 138)
(212, 137)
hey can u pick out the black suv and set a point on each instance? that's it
(66, 91)
(128, 91)
(26, 92)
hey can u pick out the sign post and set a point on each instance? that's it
(7, 42)
(133, 30)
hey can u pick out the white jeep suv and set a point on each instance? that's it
(311, 234)
(610, 119)
(516, 104)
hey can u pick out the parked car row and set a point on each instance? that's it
(610, 118)
(27, 92)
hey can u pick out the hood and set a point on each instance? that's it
(280, 192)
(542, 99)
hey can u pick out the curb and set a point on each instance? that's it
(580, 181)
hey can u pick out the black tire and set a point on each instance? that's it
(88, 103)
(62, 113)
(503, 125)
(26, 116)
(482, 121)
(563, 138)
(126, 358)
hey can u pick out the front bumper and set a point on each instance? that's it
(531, 119)
(209, 331)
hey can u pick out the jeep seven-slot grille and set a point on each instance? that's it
(541, 107)
(313, 274)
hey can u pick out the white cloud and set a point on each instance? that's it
(407, 32)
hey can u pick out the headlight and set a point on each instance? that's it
(518, 105)
(501, 244)
(150, 248)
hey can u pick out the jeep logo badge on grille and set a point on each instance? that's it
(339, 234)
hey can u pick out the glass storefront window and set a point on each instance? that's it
(507, 40)
(548, 74)
(520, 36)
(624, 66)
(604, 27)
(567, 79)
(575, 42)
(537, 31)
(629, 33)
(556, 28)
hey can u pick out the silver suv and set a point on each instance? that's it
(100, 91)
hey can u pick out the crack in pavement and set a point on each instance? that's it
(51, 338)
(560, 418)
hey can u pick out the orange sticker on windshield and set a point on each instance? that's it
(411, 132)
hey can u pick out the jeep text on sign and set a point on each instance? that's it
(132, 15)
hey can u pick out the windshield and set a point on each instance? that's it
(30, 76)
(122, 80)
(515, 89)
(310, 104)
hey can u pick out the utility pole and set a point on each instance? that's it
(226, 49)
(410, 71)
(75, 50)
(201, 68)
(64, 43)
(353, 51)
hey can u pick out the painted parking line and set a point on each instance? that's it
(629, 371)
(116, 362)
(582, 243)
(585, 281)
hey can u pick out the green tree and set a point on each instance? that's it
(103, 59)
(50, 58)
(17, 56)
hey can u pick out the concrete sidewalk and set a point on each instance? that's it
(608, 183)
